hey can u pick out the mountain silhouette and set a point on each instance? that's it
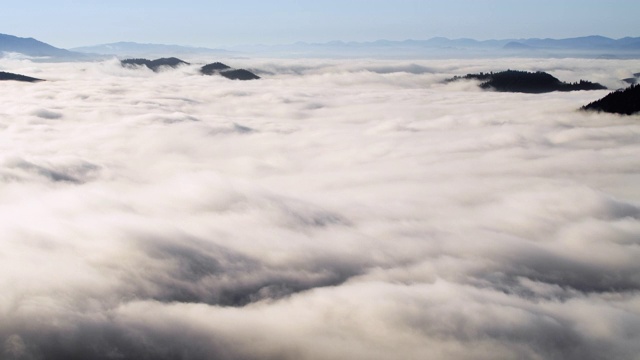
(239, 74)
(154, 65)
(515, 45)
(33, 47)
(213, 68)
(585, 46)
(133, 49)
(17, 77)
(526, 82)
(633, 80)
(626, 101)
(218, 68)
(440, 47)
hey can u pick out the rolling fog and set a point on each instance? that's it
(332, 210)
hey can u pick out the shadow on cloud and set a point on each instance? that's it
(334, 209)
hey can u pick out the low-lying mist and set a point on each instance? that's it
(331, 210)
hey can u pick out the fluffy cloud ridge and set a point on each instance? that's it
(332, 209)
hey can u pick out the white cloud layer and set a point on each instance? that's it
(333, 209)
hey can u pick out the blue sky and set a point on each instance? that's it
(70, 23)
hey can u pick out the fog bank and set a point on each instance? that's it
(332, 209)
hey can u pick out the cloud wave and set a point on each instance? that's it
(333, 209)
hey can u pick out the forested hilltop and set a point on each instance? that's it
(154, 65)
(626, 101)
(526, 82)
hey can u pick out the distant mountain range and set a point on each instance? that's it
(438, 47)
(585, 42)
(38, 49)
(588, 46)
(34, 48)
(137, 49)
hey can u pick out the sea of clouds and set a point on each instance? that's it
(331, 210)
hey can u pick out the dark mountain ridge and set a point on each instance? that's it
(239, 74)
(633, 80)
(526, 82)
(218, 68)
(156, 64)
(625, 101)
(17, 77)
(213, 68)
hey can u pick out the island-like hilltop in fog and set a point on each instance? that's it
(633, 80)
(526, 82)
(154, 65)
(626, 101)
(216, 68)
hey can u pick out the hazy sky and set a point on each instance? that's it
(70, 23)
